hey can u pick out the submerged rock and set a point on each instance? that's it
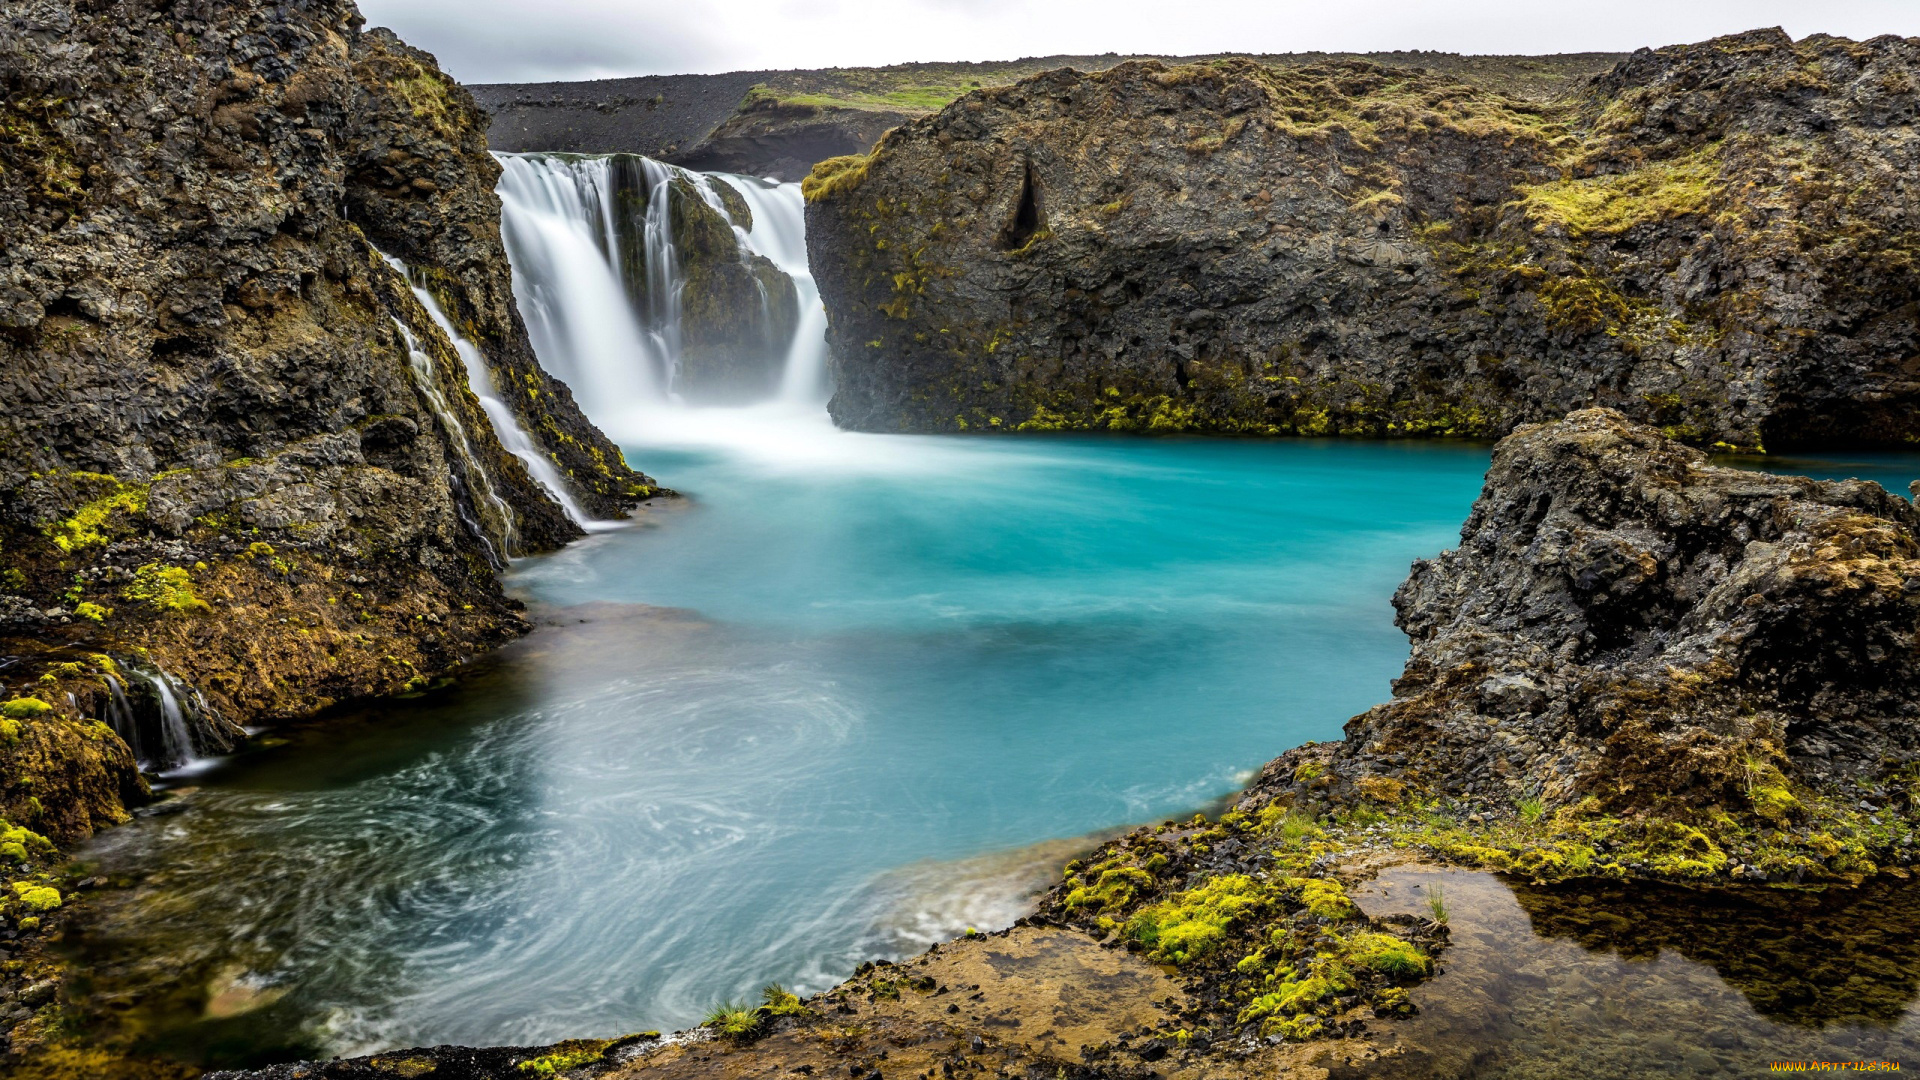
(1712, 238)
(1627, 624)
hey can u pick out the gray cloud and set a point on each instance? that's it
(501, 41)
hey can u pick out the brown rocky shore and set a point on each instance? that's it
(1637, 668)
(1716, 239)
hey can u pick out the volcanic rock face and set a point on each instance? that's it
(1624, 621)
(1717, 239)
(234, 445)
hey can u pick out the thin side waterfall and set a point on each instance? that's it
(506, 426)
(664, 280)
(503, 535)
(608, 319)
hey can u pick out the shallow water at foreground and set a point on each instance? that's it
(1599, 981)
(853, 695)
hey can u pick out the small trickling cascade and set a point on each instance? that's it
(168, 725)
(498, 528)
(602, 283)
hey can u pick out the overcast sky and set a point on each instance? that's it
(516, 41)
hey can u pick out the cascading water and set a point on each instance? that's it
(167, 726)
(502, 533)
(506, 426)
(601, 283)
(557, 217)
(780, 234)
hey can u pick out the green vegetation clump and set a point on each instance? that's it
(777, 1000)
(835, 176)
(1388, 955)
(428, 96)
(1188, 925)
(1325, 898)
(87, 609)
(1613, 203)
(164, 589)
(1114, 887)
(85, 527)
(733, 1020)
(19, 843)
(25, 708)
(36, 897)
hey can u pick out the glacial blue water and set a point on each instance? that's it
(849, 696)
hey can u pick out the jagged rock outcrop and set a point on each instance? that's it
(1718, 239)
(1624, 622)
(234, 446)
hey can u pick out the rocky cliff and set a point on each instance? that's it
(243, 474)
(780, 123)
(1626, 630)
(1717, 239)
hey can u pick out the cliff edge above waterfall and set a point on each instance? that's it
(780, 123)
(243, 475)
(1716, 239)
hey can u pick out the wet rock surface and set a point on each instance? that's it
(1712, 238)
(1626, 623)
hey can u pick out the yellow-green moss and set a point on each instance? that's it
(777, 1000)
(1615, 203)
(428, 95)
(164, 588)
(87, 609)
(25, 708)
(1387, 954)
(1189, 925)
(1113, 889)
(567, 1055)
(36, 897)
(835, 176)
(84, 528)
(1327, 899)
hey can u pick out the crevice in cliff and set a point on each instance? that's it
(1029, 215)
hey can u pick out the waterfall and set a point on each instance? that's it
(478, 484)
(780, 234)
(601, 284)
(506, 426)
(176, 742)
(160, 726)
(559, 223)
(664, 281)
